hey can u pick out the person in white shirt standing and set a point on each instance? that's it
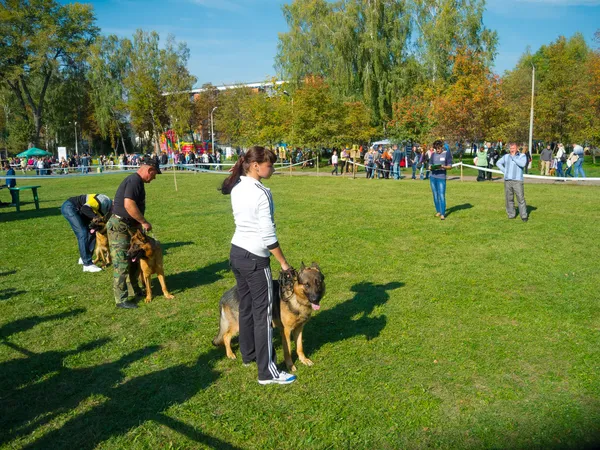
(252, 244)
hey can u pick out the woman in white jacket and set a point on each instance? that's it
(253, 242)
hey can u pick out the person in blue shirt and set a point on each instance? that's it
(10, 183)
(439, 162)
(512, 165)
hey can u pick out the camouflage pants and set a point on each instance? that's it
(124, 272)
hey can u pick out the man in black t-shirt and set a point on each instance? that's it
(129, 207)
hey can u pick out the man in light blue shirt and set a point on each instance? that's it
(512, 165)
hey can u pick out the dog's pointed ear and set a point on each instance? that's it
(302, 266)
(314, 265)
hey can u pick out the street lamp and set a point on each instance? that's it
(76, 151)
(289, 95)
(75, 127)
(212, 130)
(531, 114)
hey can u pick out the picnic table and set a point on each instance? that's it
(18, 190)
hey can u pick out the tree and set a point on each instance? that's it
(176, 83)
(108, 66)
(443, 27)
(357, 46)
(561, 93)
(203, 104)
(145, 101)
(38, 38)
(412, 118)
(469, 108)
(317, 117)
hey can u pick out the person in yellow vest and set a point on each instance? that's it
(79, 212)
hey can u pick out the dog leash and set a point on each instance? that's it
(286, 283)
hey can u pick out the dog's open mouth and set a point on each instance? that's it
(315, 306)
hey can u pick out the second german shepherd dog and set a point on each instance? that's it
(150, 255)
(296, 295)
(102, 250)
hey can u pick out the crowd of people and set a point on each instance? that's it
(386, 161)
(49, 165)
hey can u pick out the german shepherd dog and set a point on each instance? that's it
(149, 253)
(102, 250)
(296, 296)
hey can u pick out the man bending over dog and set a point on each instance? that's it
(128, 216)
(79, 212)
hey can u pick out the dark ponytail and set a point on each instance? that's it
(252, 155)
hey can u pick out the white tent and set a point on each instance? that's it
(384, 142)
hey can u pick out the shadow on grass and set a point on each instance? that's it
(169, 245)
(27, 323)
(9, 272)
(455, 208)
(341, 322)
(199, 277)
(5, 294)
(29, 214)
(530, 209)
(127, 403)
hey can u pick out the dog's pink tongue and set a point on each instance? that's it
(134, 260)
(92, 231)
(315, 307)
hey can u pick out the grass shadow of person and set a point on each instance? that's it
(199, 277)
(455, 208)
(26, 409)
(350, 318)
(169, 245)
(6, 294)
(124, 410)
(530, 209)
(27, 323)
(8, 272)
(25, 214)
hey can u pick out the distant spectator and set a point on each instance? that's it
(545, 160)
(560, 159)
(578, 163)
(343, 160)
(512, 166)
(334, 163)
(481, 161)
(396, 158)
(439, 162)
(11, 183)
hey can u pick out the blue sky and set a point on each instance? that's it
(236, 40)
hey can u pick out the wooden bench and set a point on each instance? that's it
(18, 190)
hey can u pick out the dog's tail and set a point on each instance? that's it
(223, 327)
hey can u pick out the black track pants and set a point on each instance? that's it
(255, 288)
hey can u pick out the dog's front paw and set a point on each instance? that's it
(306, 361)
(292, 368)
(169, 296)
(148, 300)
(231, 355)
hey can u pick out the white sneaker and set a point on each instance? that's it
(80, 262)
(283, 378)
(92, 268)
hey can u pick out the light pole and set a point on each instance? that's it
(531, 115)
(212, 130)
(288, 94)
(76, 151)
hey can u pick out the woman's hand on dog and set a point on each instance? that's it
(147, 226)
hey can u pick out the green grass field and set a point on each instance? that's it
(475, 332)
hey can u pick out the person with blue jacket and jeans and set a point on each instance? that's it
(512, 166)
(439, 162)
